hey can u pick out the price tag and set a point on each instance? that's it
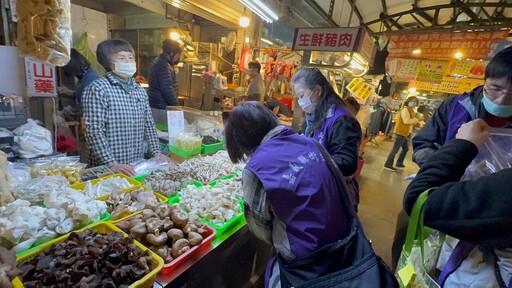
(175, 124)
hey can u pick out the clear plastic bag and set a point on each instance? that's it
(493, 156)
(33, 140)
(18, 173)
(44, 30)
(68, 167)
(187, 140)
(153, 164)
(35, 190)
(66, 142)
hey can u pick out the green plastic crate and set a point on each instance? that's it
(162, 127)
(212, 148)
(185, 153)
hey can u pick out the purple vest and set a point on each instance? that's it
(459, 115)
(301, 191)
(321, 135)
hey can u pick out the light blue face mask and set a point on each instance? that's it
(495, 109)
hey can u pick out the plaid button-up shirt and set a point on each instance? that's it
(118, 121)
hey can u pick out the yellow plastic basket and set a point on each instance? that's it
(101, 227)
(81, 186)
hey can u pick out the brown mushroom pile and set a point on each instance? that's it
(88, 259)
(120, 205)
(167, 230)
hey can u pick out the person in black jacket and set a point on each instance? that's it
(163, 87)
(478, 212)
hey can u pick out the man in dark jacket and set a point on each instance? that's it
(491, 102)
(163, 87)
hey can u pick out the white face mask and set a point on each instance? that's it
(125, 70)
(412, 104)
(248, 72)
(306, 104)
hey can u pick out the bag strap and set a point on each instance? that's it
(336, 173)
(416, 228)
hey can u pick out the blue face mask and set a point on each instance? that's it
(495, 109)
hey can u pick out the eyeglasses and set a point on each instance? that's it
(497, 93)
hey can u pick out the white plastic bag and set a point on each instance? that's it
(33, 140)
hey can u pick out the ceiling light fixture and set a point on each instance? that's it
(458, 55)
(244, 20)
(261, 10)
(175, 35)
(417, 51)
(267, 41)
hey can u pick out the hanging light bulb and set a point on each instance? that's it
(175, 35)
(244, 20)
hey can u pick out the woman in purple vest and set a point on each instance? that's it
(291, 198)
(330, 122)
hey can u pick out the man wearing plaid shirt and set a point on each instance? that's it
(117, 115)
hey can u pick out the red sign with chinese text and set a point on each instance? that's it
(41, 78)
(472, 45)
(341, 39)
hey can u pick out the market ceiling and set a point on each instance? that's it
(402, 17)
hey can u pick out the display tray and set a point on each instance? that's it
(105, 217)
(81, 186)
(221, 229)
(105, 228)
(211, 148)
(160, 197)
(185, 153)
(208, 235)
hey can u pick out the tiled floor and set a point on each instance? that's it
(381, 193)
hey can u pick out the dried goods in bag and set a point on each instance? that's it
(44, 30)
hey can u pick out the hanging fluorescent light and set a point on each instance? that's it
(261, 10)
(267, 41)
(256, 10)
(266, 9)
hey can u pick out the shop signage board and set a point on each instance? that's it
(41, 79)
(449, 85)
(403, 68)
(175, 124)
(342, 39)
(432, 71)
(495, 47)
(473, 45)
(468, 68)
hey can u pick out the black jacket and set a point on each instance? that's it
(163, 88)
(433, 135)
(478, 211)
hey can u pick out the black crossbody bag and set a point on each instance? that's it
(349, 262)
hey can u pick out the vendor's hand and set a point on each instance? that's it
(162, 158)
(122, 168)
(476, 131)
